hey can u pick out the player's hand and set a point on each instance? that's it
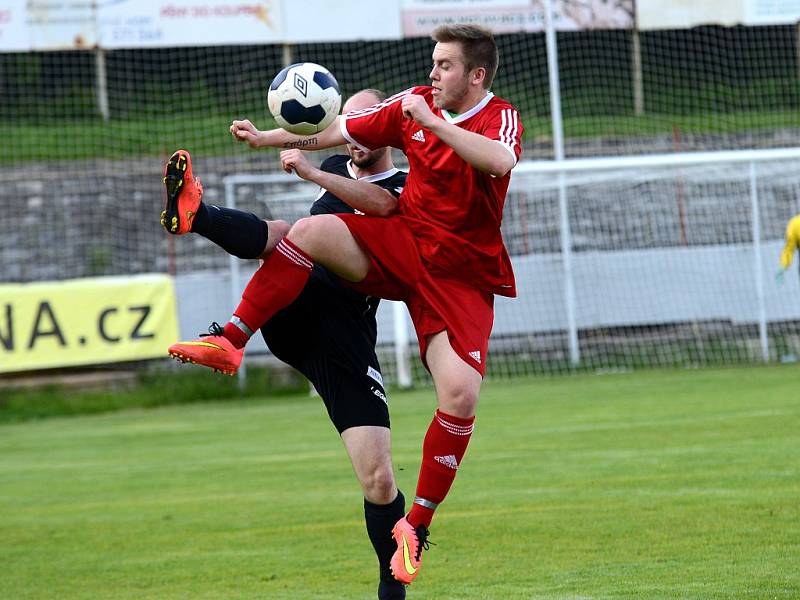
(779, 276)
(294, 160)
(245, 131)
(414, 107)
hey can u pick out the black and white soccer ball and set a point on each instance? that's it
(304, 98)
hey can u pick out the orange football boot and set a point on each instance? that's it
(183, 194)
(211, 350)
(407, 559)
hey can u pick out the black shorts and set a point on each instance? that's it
(328, 334)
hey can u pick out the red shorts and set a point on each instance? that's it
(436, 302)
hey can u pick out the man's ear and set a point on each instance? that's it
(477, 76)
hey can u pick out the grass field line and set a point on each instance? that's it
(638, 452)
(578, 496)
(140, 464)
(619, 424)
(151, 502)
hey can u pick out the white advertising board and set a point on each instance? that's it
(681, 14)
(771, 12)
(155, 23)
(57, 25)
(421, 17)
(14, 35)
(79, 24)
(341, 21)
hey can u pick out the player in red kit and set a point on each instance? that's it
(442, 252)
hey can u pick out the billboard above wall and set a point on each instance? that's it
(79, 24)
(771, 12)
(682, 14)
(421, 17)
(14, 34)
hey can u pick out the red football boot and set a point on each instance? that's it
(407, 559)
(211, 350)
(183, 194)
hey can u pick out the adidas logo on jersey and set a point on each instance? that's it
(476, 355)
(447, 461)
(419, 136)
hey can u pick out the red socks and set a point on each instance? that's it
(236, 336)
(274, 286)
(444, 447)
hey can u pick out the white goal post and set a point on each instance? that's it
(583, 171)
(656, 260)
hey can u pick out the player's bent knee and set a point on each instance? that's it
(313, 230)
(379, 485)
(279, 228)
(328, 241)
(459, 400)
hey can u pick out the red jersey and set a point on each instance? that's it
(454, 210)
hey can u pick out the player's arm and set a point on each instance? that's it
(792, 241)
(367, 197)
(245, 131)
(788, 254)
(484, 154)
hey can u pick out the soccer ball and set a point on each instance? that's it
(304, 98)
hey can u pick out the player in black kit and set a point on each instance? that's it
(329, 332)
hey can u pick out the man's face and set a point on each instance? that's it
(364, 160)
(361, 159)
(449, 76)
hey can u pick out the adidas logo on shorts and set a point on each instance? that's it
(379, 394)
(375, 374)
(476, 356)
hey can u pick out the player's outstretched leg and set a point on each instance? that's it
(183, 194)
(211, 349)
(407, 559)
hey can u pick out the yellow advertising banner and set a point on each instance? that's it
(86, 321)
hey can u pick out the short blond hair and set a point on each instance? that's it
(477, 46)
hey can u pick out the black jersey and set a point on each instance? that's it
(392, 180)
(329, 319)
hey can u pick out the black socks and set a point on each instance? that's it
(237, 232)
(380, 519)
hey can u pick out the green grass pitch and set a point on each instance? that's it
(656, 484)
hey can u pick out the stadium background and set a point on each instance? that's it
(656, 483)
(86, 131)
